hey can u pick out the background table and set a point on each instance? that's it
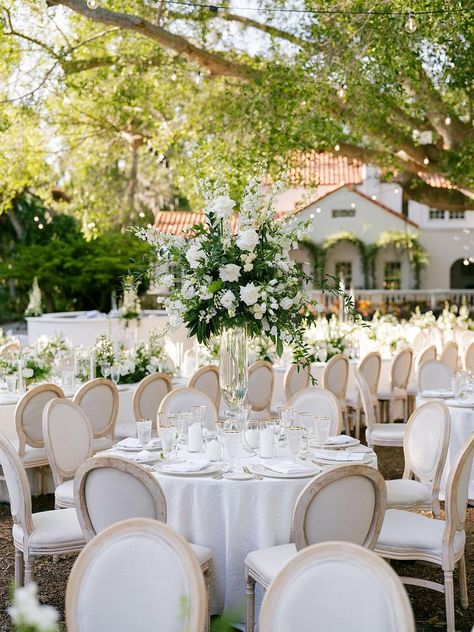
(462, 426)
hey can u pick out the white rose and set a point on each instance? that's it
(27, 373)
(247, 239)
(286, 303)
(249, 294)
(222, 206)
(248, 267)
(229, 272)
(227, 299)
(195, 255)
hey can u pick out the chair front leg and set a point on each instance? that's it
(207, 580)
(250, 589)
(449, 598)
(463, 583)
(28, 568)
(19, 574)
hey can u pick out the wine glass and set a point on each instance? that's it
(105, 369)
(115, 374)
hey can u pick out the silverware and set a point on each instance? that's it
(217, 476)
(257, 477)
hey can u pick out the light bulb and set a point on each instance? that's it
(318, 210)
(447, 120)
(374, 197)
(311, 216)
(337, 147)
(466, 262)
(92, 4)
(341, 93)
(410, 24)
(353, 205)
(426, 161)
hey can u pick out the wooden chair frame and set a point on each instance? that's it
(143, 385)
(210, 368)
(328, 394)
(467, 362)
(109, 429)
(447, 349)
(154, 530)
(288, 377)
(357, 405)
(267, 403)
(387, 403)
(341, 395)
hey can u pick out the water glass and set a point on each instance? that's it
(213, 446)
(115, 374)
(294, 436)
(11, 381)
(267, 442)
(105, 369)
(68, 379)
(144, 431)
(322, 354)
(286, 415)
(199, 414)
(243, 413)
(194, 435)
(168, 434)
(184, 419)
(307, 421)
(252, 434)
(456, 386)
(232, 441)
(321, 430)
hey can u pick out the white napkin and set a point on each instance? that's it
(339, 440)
(286, 467)
(440, 392)
(140, 457)
(186, 466)
(338, 455)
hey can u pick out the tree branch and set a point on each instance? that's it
(28, 38)
(436, 197)
(213, 62)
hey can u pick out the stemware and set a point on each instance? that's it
(115, 373)
(105, 369)
(232, 440)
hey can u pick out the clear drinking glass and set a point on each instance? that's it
(233, 369)
(11, 381)
(213, 446)
(252, 434)
(456, 386)
(115, 374)
(144, 431)
(321, 430)
(267, 441)
(294, 436)
(322, 354)
(307, 421)
(232, 440)
(184, 419)
(168, 434)
(105, 369)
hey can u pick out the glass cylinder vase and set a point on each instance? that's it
(233, 367)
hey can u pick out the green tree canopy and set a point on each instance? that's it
(126, 105)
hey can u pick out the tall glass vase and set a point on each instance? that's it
(233, 369)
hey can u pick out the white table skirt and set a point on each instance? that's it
(462, 426)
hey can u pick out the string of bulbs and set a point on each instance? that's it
(410, 24)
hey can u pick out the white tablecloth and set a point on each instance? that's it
(232, 518)
(462, 425)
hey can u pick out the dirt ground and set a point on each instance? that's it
(428, 605)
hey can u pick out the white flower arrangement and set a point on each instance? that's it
(238, 278)
(130, 308)
(34, 307)
(28, 615)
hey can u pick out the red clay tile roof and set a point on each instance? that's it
(178, 222)
(312, 168)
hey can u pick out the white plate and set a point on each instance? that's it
(341, 446)
(434, 394)
(367, 459)
(237, 476)
(212, 468)
(137, 449)
(261, 470)
(459, 403)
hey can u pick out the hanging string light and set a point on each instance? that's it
(410, 24)
(92, 4)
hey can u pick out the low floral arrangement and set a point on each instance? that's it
(328, 337)
(454, 316)
(51, 347)
(236, 270)
(34, 367)
(28, 615)
(422, 321)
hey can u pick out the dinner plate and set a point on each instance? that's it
(340, 446)
(137, 448)
(237, 476)
(367, 459)
(459, 403)
(212, 468)
(261, 470)
(435, 394)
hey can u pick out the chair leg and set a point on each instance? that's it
(19, 575)
(28, 569)
(207, 580)
(449, 598)
(357, 423)
(463, 583)
(250, 589)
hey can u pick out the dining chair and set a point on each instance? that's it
(434, 374)
(296, 379)
(9, 347)
(449, 355)
(409, 536)
(206, 379)
(44, 533)
(343, 503)
(99, 399)
(335, 586)
(370, 366)
(185, 398)
(149, 395)
(109, 489)
(428, 353)
(69, 442)
(421, 341)
(138, 574)
(260, 387)
(334, 379)
(320, 401)
(468, 360)
(397, 391)
(425, 447)
(29, 428)
(383, 434)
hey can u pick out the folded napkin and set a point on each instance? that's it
(186, 466)
(338, 455)
(440, 392)
(129, 442)
(287, 467)
(339, 440)
(139, 457)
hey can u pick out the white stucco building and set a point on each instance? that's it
(348, 199)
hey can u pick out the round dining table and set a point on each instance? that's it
(235, 517)
(462, 426)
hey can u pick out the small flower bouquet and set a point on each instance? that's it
(28, 615)
(235, 270)
(34, 367)
(50, 347)
(130, 308)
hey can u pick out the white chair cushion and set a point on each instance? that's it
(412, 389)
(102, 443)
(353, 399)
(405, 493)
(202, 553)
(388, 393)
(388, 432)
(32, 455)
(64, 493)
(52, 529)
(267, 563)
(402, 530)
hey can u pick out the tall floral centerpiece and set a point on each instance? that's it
(233, 275)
